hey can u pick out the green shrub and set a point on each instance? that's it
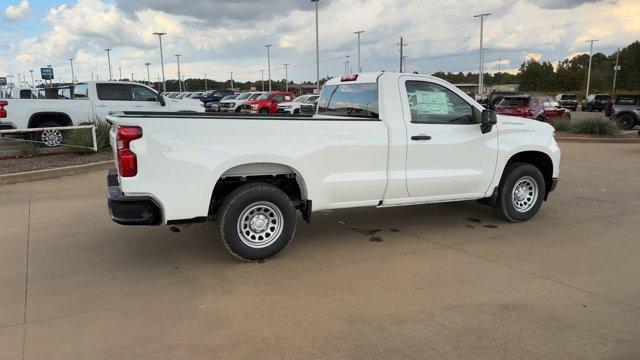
(83, 137)
(596, 126)
(562, 124)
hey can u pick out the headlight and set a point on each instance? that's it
(254, 106)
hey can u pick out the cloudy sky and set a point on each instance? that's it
(217, 37)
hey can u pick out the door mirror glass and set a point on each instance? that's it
(489, 118)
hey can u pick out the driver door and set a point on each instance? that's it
(448, 156)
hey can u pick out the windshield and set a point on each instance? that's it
(602, 97)
(352, 100)
(255, 96)
(243, 96)
(300, 98)
(229, 97)
(265, 96)
(312, 98)
(569, 97)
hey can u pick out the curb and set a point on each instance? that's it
(54, 173)
(599, 140)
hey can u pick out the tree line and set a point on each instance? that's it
(568, 75)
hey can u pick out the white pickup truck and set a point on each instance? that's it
(377, 139)
(86, 102)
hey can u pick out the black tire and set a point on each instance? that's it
(264, 111)
(253, 196)
(516, 173)
(540, 118)
(44, 138)
(625, 122)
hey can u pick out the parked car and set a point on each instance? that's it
(568, 101)
(266, 103)
(309, 108)
(539, 107)
(214, 96)
(293, 107)
(234, 104)
(195, 95)
(85, 102)
(595, 102)
(434, 144)
(495, 97)
(213, 106)
(625, 110)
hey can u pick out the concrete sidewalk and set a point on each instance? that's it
(447, 281)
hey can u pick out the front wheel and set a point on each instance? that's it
(521, 192)
(625, 122)
(264, 111)
(257, 221)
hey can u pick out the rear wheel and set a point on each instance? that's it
(257, 221)
(625, 122)
(49, 137)
(521, 192)
(264, 111)
(540, 118)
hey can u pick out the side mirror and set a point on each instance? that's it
(161, 100)
(489, 118)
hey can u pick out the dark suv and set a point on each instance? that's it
(497, 96)
(625, 110)
(568, 101)
(214, 95)
(596, 102)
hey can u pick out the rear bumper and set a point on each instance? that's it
(7, 126)
(130, 210)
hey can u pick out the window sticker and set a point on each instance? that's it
(432, 103)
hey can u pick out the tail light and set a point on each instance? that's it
(127, 160)
(528, 112)
(350, 77)
(3, 112)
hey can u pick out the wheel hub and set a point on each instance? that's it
(524, 194)
(260, 224)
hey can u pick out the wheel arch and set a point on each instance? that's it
(538, 159)
(49, 116)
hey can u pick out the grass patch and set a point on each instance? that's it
(83, 137)
(596, 126)
(562, 124)
(30, 149)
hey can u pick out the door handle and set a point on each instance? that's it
(421, 137)
(101, 105)
(137, 105)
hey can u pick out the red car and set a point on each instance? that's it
(266, 103)
(539, 107)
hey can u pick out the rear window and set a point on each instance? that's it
(112, 92)
(569, 97)
(626, 100)
(603, 97)
(352, 100)
(514, 101)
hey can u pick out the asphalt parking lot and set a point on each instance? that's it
(445, 281)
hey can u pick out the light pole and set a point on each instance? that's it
(164, 84)
(33, 83)
(73, 77)
(286, 77)
(615, 73)
(148, 75)
(119, 72)
(179, 78)
(481, 70)
(109, 59)
(232, 80)
(317, 48)
(262, 78)
(268, 46)
(205, 82)
(346, 65)
(19, 81)
(358, 34)
(590, 57)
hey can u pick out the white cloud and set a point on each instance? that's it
(17, 12)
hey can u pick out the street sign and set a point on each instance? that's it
(46, 73)
(617, 68)
(3, 81)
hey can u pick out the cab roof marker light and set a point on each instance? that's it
(350, 77)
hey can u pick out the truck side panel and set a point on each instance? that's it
(342, 162)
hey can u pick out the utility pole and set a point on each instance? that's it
(262, 78)
(119, 72)
(164, 84)
(499, 61)
(359, 63)
(317, 48)
(179, 78)
(481, 66)
(109, 59)
(33, 83)
(148, 75)
(268, 46)
(590, 58)
(232, 80)
(402, 45)
(19, 81)
(404, 62)
(132, 77)
(73, 77)
(286, 77)
(205, 82)
(347, 71)
(615, 73)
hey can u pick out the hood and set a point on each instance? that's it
(251, 102)
(288, 103)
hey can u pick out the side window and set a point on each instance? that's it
(287, 98)
(278, 98)
(434, 104)
(112, 92)
(141, 93)
(349, 100)
(546, 103)
(81, 91)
